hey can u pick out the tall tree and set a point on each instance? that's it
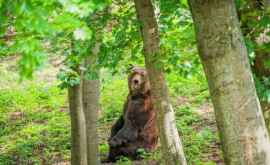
(78, 136)
(255, 20)
(267, 3)
(91, 103)
(224, 56)
(171, 143)
(78, 127)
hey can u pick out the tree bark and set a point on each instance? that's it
(259, 67)
(224, 57)
(78, 137)
(91, 105)
(172, 150)
(267, 3)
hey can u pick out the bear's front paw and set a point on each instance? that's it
(114, 142)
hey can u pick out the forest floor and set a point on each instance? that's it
(35, 121)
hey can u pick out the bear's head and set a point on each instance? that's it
(138, 81)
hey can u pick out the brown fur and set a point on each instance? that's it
(136, 128)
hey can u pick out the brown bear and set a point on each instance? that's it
(136, 128)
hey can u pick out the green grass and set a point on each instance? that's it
(35, 124)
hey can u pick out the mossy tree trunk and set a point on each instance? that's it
(259, 66)
(78, 136)
(242, 129)
(260, 69)
(91, 104)
(172, 150)
(267, 3)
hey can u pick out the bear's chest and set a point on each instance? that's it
(138, 111)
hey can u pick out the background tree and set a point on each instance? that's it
(91, 104)
(171, 144)
(255, 20)
(224, 56)
(91, 79)
(78, 34)
(78, 127)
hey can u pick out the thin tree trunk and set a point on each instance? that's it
(170, 141)
(267, 4)
(91, 105)
(78, 137)
(224, 56)
(259, 67)
(266, 107)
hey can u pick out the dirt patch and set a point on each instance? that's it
(213, 152)
(62, 163)
(47, 73)
(15, 115)
(137, 162)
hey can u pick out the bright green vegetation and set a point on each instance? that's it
(35, 124)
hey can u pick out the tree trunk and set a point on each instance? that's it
(224, 56)
(91, 105)
(170, 141)
(267, 3)
(78, 137)
(259, 67)
(266, 107)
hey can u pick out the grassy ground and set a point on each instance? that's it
(35, 125)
